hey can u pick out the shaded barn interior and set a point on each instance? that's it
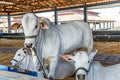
(13, 7)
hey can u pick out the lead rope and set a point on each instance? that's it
(44, 73)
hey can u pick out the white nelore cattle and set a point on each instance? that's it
(52, 40)
(87, 69)
(25, 59)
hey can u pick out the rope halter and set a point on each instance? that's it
(33, 36)
(82, 68)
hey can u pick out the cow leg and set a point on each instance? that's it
(51, 75)
(88, 43)
(90, 48)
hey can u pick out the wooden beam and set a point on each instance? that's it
(43, 5)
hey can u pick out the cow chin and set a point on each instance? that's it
(81, 76)
(30, 45)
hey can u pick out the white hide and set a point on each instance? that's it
(56, 39)
(99, 72)
(53, 40)
(95, 70)
(27, 61)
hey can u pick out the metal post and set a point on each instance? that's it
(56, 16)
(110, 25)
(113, 25)
(99, 25)
(107, 26)
(104, 25)
(85, 14)
(9, 20)
(95, 25)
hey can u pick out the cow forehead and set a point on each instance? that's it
(20, 51)
(29, 21)
(82, 56)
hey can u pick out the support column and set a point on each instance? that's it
(95, 26)
(56, 16)
(110, 25)
(85, 14)
(107, 26)
(99, 25)
(9, 20)
(104, 25)
(113, 25)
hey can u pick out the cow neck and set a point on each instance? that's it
(39, 43)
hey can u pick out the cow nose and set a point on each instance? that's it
(10, 63)
(81, 77)
(28, 45)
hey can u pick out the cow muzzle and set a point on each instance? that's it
(13, 63)
(81, 77)
(28, 45)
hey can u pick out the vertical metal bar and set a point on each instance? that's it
(113, 25)
(99, 25)
(103, 25)
(107, 25)
(56, 16)
(110, 25)
(95, 25)
(9, 20)
(85, 14)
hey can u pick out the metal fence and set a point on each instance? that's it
(97, 36)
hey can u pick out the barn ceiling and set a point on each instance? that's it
(23, 6)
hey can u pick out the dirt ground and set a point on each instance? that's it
(102, 47)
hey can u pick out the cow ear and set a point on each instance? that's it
(67, 58)
(44, 25)
(92, 54)
(15, 26)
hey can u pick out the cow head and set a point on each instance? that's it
(82, 63)
(31, 25)
(19, 56)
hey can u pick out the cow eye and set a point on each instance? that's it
(36, 26)
(18, 54)
(25, 52)
(88, 61)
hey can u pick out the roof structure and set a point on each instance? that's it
(14, 7)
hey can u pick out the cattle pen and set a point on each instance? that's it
(108, 52)
(107, 42)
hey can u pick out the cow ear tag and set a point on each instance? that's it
(44, 25)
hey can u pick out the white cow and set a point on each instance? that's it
(25, 60)
(87, 69)
(52, 40)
